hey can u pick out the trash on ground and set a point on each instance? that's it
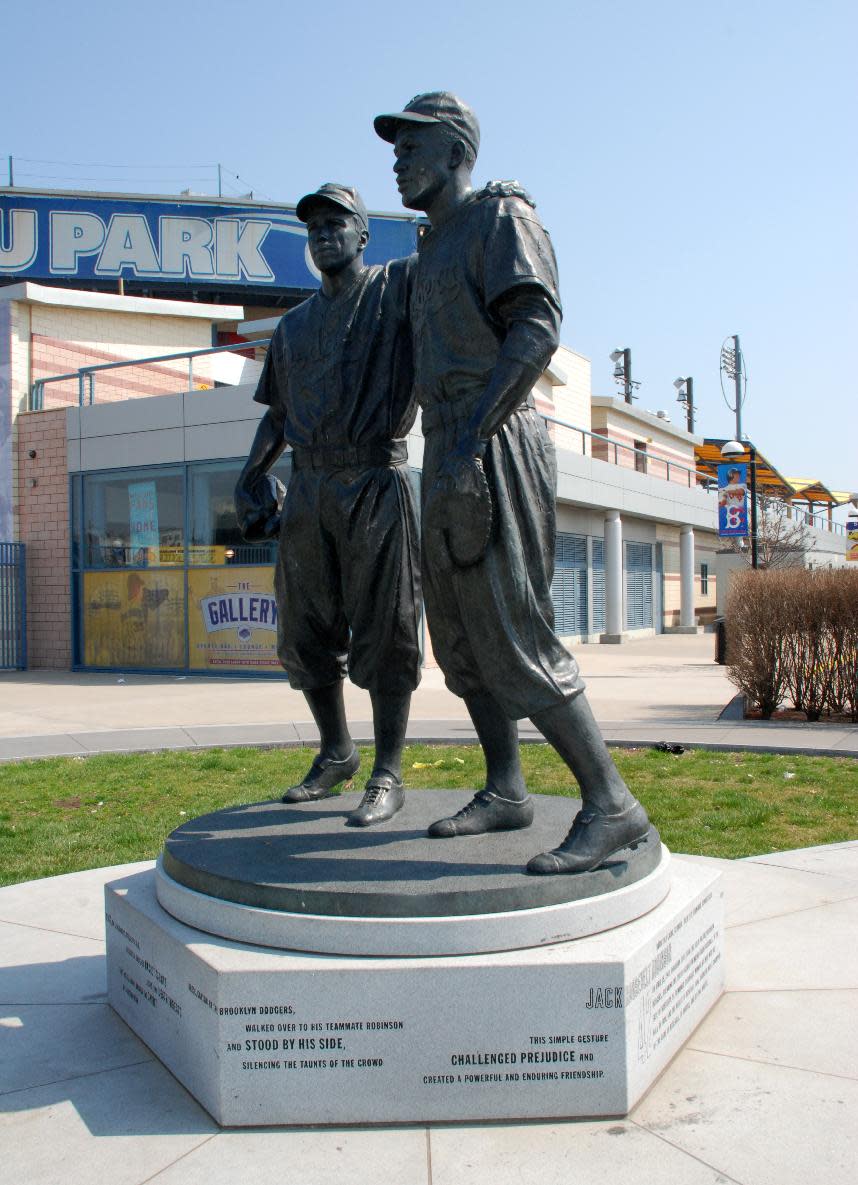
(439, 764)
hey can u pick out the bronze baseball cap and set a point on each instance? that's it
(340, 195)
(433, 107)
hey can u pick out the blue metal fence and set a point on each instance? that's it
(13, 607)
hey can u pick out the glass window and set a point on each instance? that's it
(74, 515)
(704, 579)
(214, 533)
(133, 519)
(134, 619)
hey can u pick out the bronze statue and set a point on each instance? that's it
(337, 384)
(486, 317)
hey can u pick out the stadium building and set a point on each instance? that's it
(132, 331)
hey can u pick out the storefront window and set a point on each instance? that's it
(162, 580)
(134, 519)
(213, 609)
(214, 535)
(134, 619)
(74, 515)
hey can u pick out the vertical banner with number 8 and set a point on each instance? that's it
(852, 536)
(733, 499)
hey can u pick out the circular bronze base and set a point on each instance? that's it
(302, 859)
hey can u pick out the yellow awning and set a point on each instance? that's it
(708, 455)
(811, 489)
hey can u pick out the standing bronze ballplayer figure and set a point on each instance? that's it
(486, 316)
(337, 383)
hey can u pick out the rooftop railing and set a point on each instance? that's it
(592, 444)
(819, 522)
(86, 375)
(615, 452)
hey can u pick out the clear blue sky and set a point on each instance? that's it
(695, 163)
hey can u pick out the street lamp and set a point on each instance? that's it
(622, 360)
(732, 451)
(733, 366)
(685, 387)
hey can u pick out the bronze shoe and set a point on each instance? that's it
(487, 811)
(594, 838)
(323, 776)
(382, 798)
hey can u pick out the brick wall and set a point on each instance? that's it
(64, 339)
(54, 356)
(43, 517)
(572, 400)
(568, 401)
(662, 460)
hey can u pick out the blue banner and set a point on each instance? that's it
(186, 241)
(733, 499)
(143, 518)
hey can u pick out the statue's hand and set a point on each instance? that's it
(461, 472)
(458, 513)
(501, 189)
(257, 508)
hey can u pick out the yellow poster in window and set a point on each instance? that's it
(852, 536)
(134, 619)
(232, 620)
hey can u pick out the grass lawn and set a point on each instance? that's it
(69, 813)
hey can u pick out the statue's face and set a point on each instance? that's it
(335, 237)
(422, 165)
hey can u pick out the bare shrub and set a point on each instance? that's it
(755, 621)
(793, 634)
(810, 642)
(844, 614)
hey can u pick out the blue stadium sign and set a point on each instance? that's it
(188, 241)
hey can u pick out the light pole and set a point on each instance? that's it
(622, 360)
(685, 387)
(731, 451)
(733, 365)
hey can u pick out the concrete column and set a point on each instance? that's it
(687, 620)
(613, 579)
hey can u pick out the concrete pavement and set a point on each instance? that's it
(764, 1093)
(651, 689)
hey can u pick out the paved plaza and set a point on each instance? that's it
(648, 690)
(764, 1093)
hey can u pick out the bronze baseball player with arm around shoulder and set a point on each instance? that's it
(486, 316)
(337, 385)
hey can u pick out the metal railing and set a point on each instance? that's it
(819, 522)
(86, 375)
(100, 556)
(601, 447)
(641, 460)
(13, 607)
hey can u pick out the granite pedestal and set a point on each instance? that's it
(556, 1027)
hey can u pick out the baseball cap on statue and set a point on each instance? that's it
(341, 195)
(433, 107)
